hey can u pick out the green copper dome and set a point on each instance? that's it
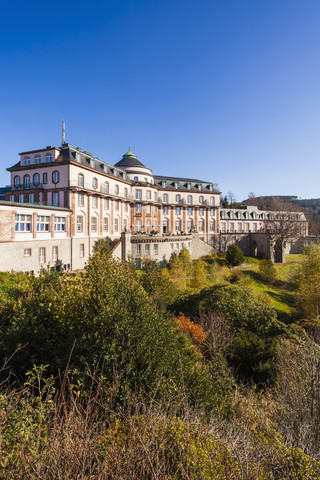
(129, 154)
(129, 159)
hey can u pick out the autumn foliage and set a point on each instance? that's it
(196, 333)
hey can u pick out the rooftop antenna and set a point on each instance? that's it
(63, 133)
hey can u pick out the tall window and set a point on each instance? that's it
(189, 225)
(106, 187)
(23, 223)
(116, 225)
(138, 249)
(165, 198)
(138, 194)
(49, 158)
(116, 205)
(148, 194)
(189, 210)
(116, 189)
(178, 225)
(11, 198)
(190, 199)
(211, 200)
(79, 224)
(80, 180)
(105, 224)
(43, 223)
(26, 181)
(59, 224)
(138, 225)
(178, 210)
(94, 183)
(148, 208)
(54, 254)
(94, 202)
(31, 197)
(93, 224)
(55, 199)
(36, 179)
(55, 176)
(189, 186)
(16, 181)
(138, 208)
(239, 227)
(42, 254)
(201, 199)
(178, 198)
(81, 249)
(201, 225)
(125, 193)
(155, 248)
(200, 211)
(80, 199)
(45, 178)
(106, 203)
(165, 210)
(21, 198)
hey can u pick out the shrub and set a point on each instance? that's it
(234, 255)
(267, 271)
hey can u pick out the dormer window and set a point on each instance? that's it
(199, 186)
(77, 157)
(91, 163)
(27, 161)
(49, 158)
(211, 188)
(189, 186)
(37, 159)
(175, 184)
(164, 183)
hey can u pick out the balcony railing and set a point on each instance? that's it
(25, 186)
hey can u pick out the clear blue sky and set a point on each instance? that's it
(222, 90)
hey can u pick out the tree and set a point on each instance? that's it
(309, 283)
(234, 255)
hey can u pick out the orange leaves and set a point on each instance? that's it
(197, 335)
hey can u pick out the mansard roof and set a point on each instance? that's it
(183, 183)
(129, 159)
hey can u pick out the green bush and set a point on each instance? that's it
(267, 271)
(234, 255)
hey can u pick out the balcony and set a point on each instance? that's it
(24, 186)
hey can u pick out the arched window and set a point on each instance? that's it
(106, 187)
(190, 199)
(37, 159)
(136, 179)
(212, 201)
(116, 189)
(80, 180)
(49, 158)
(26, 181)
(36, 179)
(178, 198)
(55, 176)
(165, 198)
(125, 193)
(94, 183)
(17, 181)
(201, 199)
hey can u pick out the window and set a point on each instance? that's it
(138, 208)
(93, 224)
(148, 194)
(91, 163)
(21, 198)
(199, 186)
(231, 227)
(211, 188)
(165, 210)
(106, 203)
(125, 193)
(175, 184)
(201, 211)
(45, 178)
(80, 180)
(178, 210)
(94, 202)
(201, 225)
(54, 254)
(27, 160)
(189, 186)
(37, 159)
(59, 224)
(42, 254)
(55, 176)
(80, 199)
(138, 249)
(43, 223)
(189, 210)
(239, 227)
(49, 158)
(31, 197)
(164, 183)
(155, 249)
(145, 179)
(201, 199)
(247, 227)
(94, 183)
(11, 198)
(165, 198)
(16, 181)
(55, 199)
(81, 249)
(189, 225)
(223, 226)
(23, 223)
(27, 252)
(116, 189)
(190, 199)
(79, 224)
(116, 225)
(178, 225)
(138, 225)
(212, 212)
(254, 227)
(26, 181)
(212, 201)
(148, 208)
(178, 198)
(106, 187)
(138, 194)
(126, 208)
(105, 224)
(116, 205)
(147, 249)
(36, 179)
(136, 179)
